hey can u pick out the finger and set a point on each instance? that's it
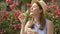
(29, 32)
(35, 33)
(19, 16)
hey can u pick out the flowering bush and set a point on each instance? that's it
(9, 22)
(53, 14)
(8, 1)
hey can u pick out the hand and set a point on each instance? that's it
(22, 19)
(30, 31)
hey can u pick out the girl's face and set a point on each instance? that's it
(35, 9)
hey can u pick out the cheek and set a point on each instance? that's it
(31, 9)
(34, 11)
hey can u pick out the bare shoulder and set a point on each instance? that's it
(49, 22)
(50, 27)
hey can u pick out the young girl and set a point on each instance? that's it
(38, 24)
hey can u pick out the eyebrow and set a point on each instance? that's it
(35, 5)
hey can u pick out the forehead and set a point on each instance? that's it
(34, 4)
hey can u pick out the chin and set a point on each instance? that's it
(34, 14)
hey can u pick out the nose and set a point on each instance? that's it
(31, 9)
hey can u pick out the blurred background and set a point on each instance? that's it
(11, 9)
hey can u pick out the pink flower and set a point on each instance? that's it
(16, 26)
(16, 4)
(56, 17)
(58, 11)
(1, 19)
(12, 6)
(48, 6)
(28, 5)
(17, 13)
(54, 6)
(12, 17)
(55, 12)
(8, 1)
(49, 14)
(0, 32)
(4, 14)
(53, 0)
(17, 19)
(56, 3)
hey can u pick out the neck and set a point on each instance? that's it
(37, 18)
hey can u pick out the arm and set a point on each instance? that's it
(28, 30)
(29, 23)
(22, 19)
(25, 27)
(22, 29)
(50, 28)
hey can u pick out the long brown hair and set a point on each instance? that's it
(42, 18)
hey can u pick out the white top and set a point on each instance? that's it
(36, 28)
